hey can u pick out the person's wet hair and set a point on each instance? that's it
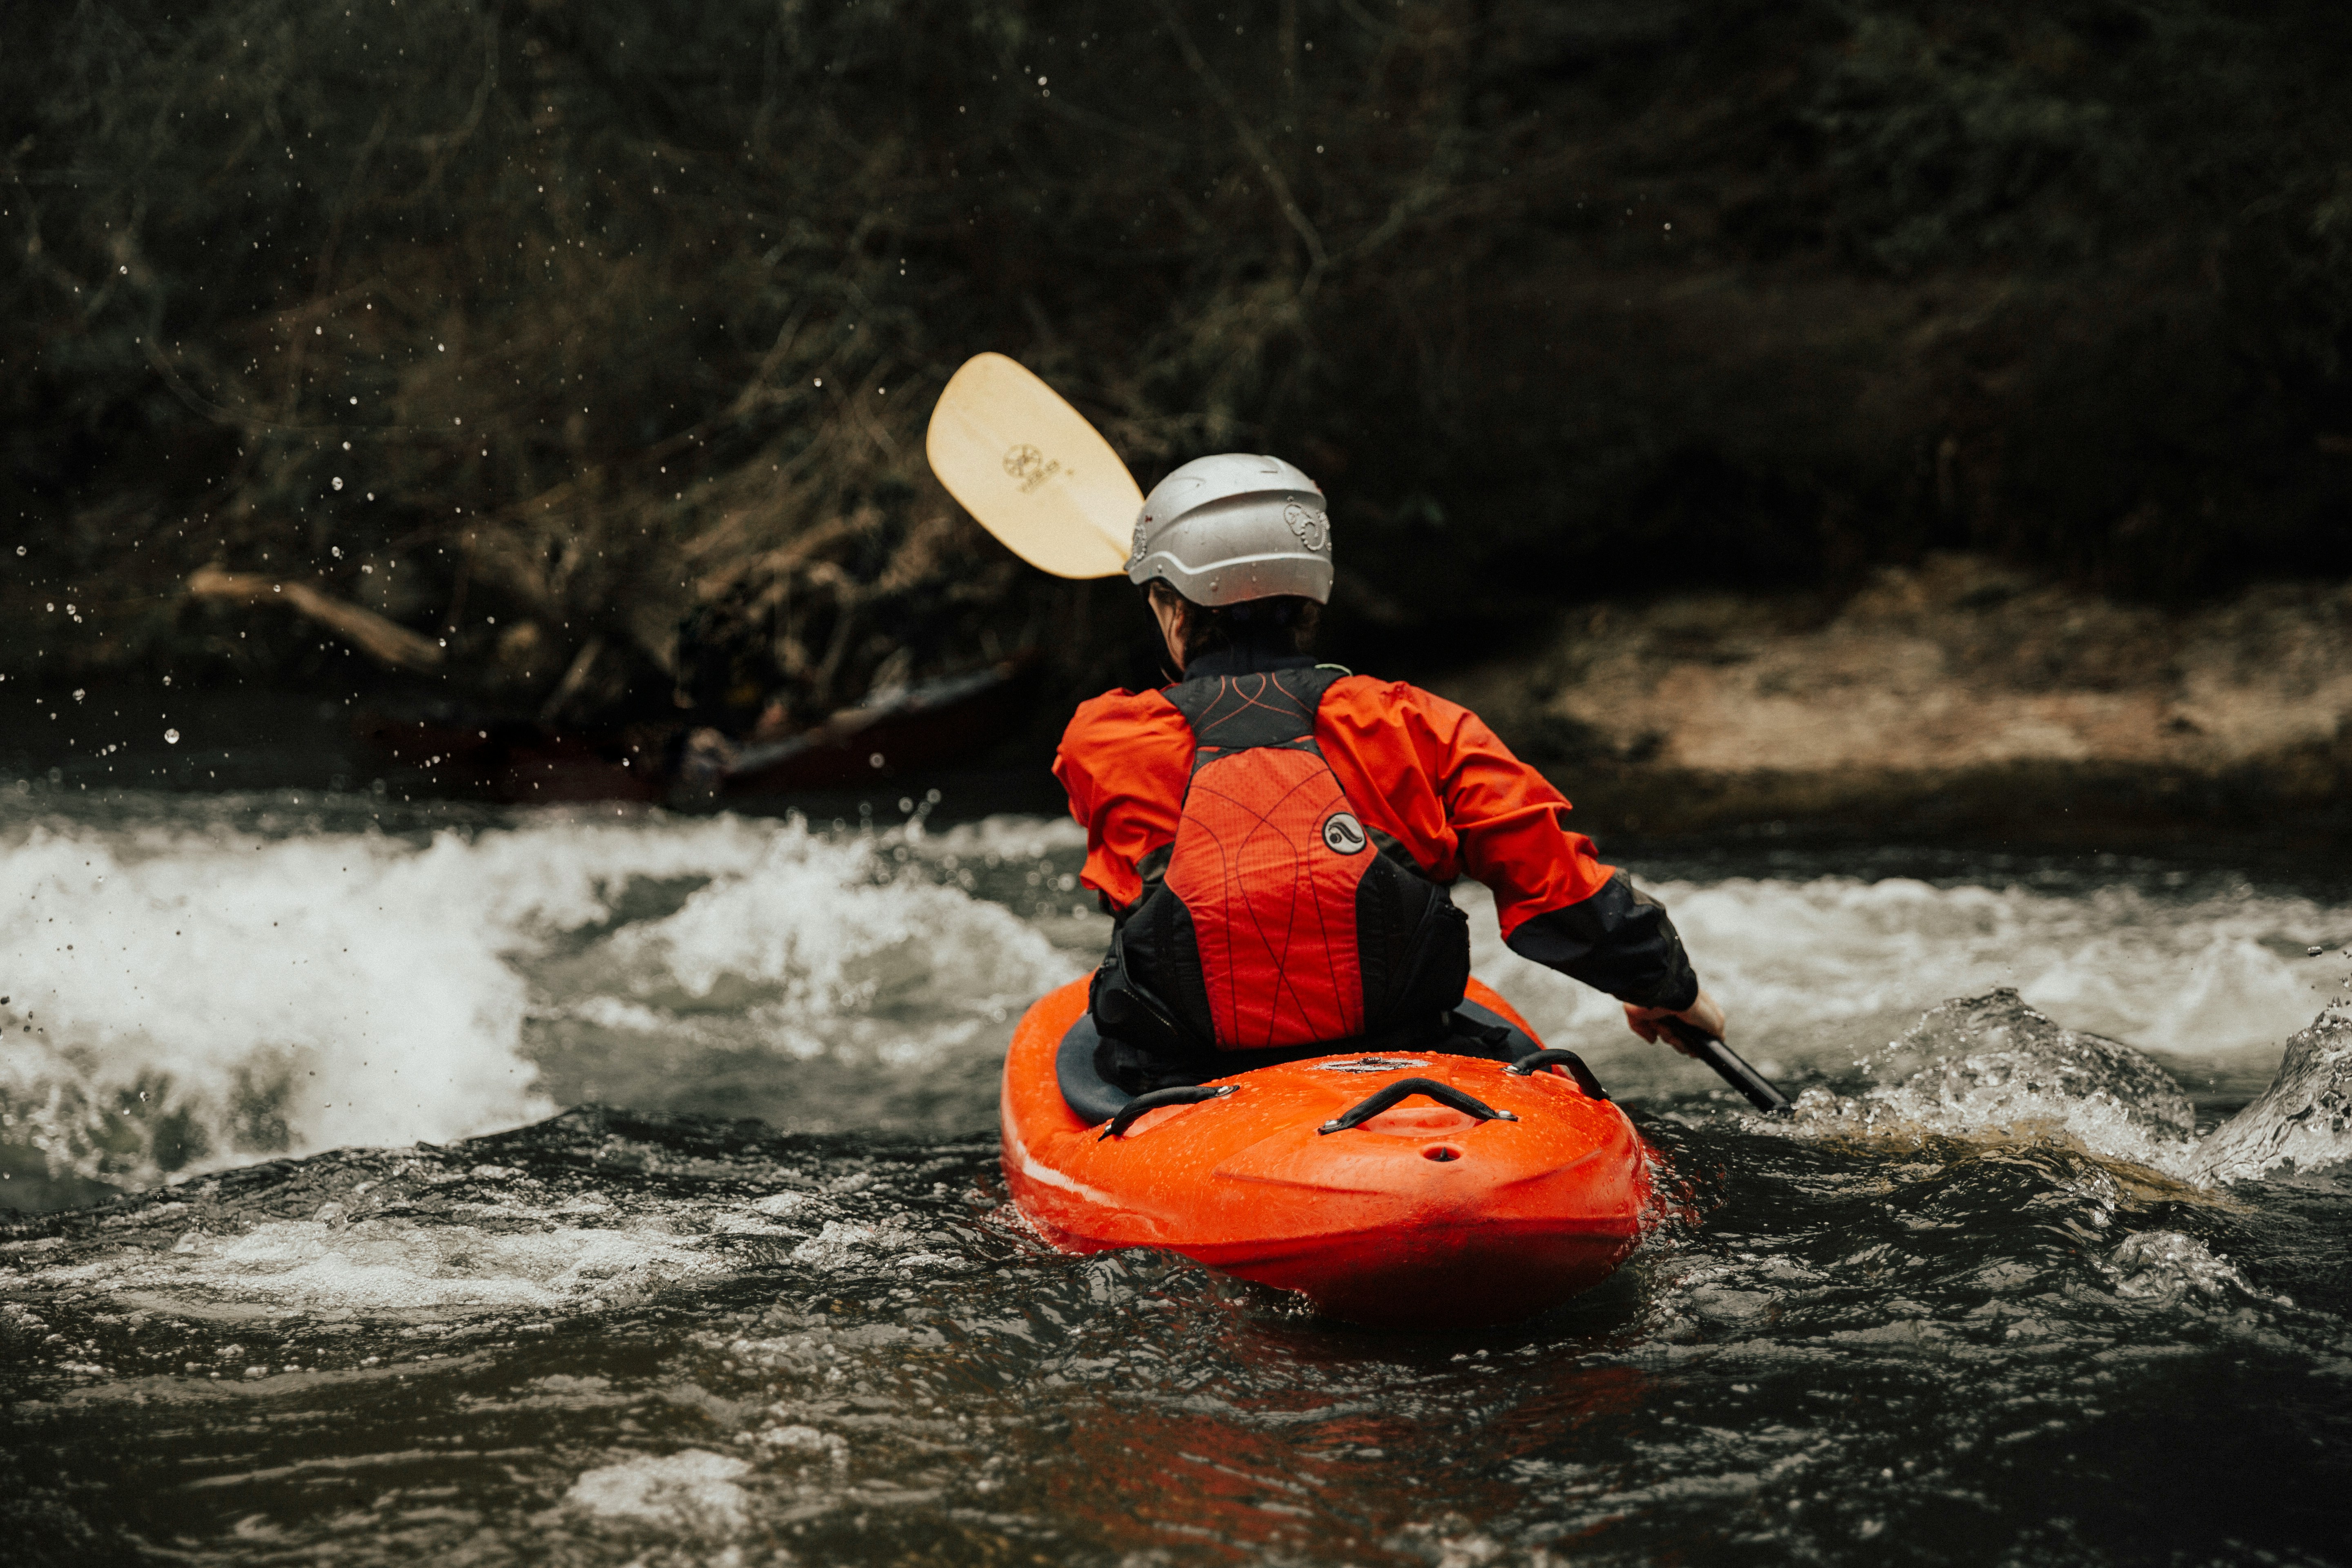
(1283, 623)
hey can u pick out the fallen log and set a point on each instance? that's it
(385, 641)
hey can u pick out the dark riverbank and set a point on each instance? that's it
(1958, 697)
(589, 350)
(1959, 703)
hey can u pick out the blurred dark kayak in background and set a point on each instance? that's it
(927, 725)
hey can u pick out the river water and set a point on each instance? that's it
(405, 1182)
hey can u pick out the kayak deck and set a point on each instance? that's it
(1424, 1214)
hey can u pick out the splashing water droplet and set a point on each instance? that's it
(171, 737)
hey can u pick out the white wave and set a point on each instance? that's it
(693, 1491)
(2165, 1267)
(790, 1437)
(2303, 1122)
(800, 931)
(1809, 969)
(1008, 837)
(838, 1246)
(1991, 1066)
(395, 1266)
(306, 986)
(298, 993)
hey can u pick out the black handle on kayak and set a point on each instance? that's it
(1446, 1094)
(1182, 1094)
(1555, 1057)
(1727, 1067)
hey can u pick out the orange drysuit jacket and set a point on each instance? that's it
(1430, 774)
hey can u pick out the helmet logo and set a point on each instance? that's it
(1028, 467)
(1343, 835)
(1313, 529)
(1142, 520)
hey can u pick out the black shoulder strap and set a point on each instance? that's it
(1232, 713)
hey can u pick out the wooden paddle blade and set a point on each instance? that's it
(1030, 469)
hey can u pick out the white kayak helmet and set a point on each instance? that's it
(1233, 527)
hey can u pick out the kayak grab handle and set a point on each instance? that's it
(1446, 1094)
(1555, 1057)
(1143, 1104)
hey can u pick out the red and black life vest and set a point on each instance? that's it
(1275, 921)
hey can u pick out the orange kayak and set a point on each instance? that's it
(1420, 1189)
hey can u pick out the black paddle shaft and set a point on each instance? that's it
(1728, 1067)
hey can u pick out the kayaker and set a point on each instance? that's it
(1273, 836)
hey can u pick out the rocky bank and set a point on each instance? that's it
(1960, 694)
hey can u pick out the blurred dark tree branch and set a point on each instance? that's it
(556, 325)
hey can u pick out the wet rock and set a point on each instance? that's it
(2303, 1120)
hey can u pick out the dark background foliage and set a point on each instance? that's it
(542, 326)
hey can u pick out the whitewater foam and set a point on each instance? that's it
(2303, 1122)
(189, 987)
(178, 999)
(693, 1491)
(1811, 967)
(1991, 1066)
(2166, 1267)
(397, 1267)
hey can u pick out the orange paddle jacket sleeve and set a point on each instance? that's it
(1430, 774)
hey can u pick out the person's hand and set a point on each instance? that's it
(1703, 1014)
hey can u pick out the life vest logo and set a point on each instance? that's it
(1343, 835)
